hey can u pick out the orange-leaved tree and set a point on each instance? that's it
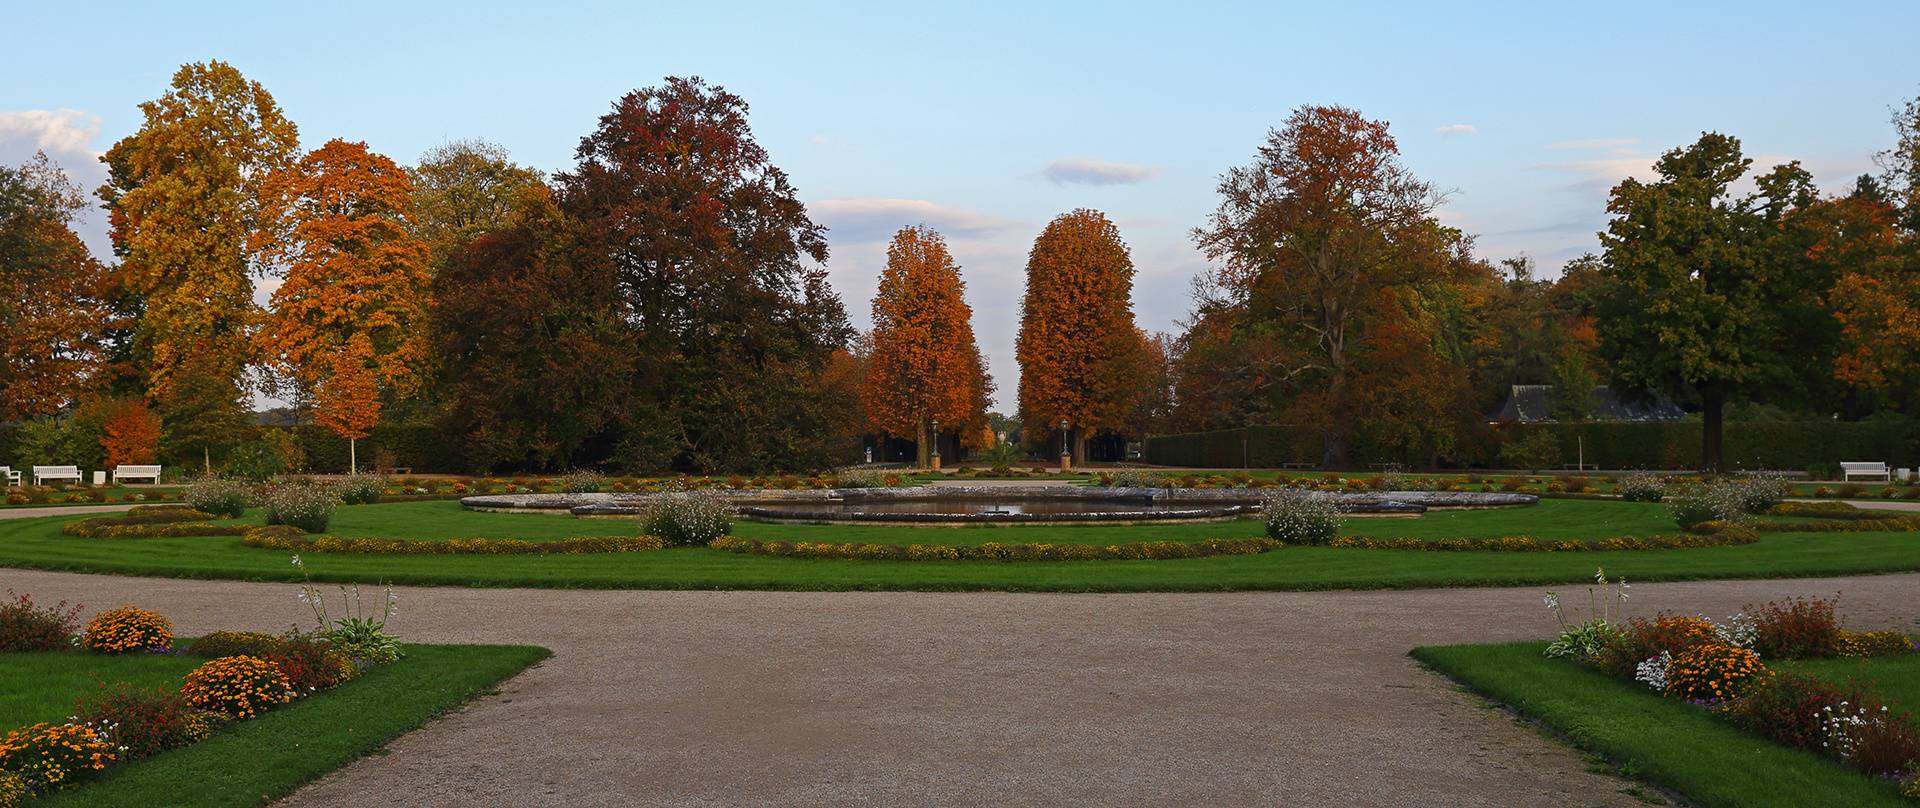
(347, 400)
(356, 288)
(51, 312)
(183, 194)
(1082, 359)
(924, 365)
(132, 434)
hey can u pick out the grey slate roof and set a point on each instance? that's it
(1529, 403)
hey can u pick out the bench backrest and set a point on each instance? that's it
(54, 471)
(1876, 467)
(137, 471)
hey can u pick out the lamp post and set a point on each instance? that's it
(1066, 452)
(936, 444)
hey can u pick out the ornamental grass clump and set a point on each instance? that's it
(239, 686)
(581, 481)
(305, 507)
(1302, 517)
(50, 756)
(360, 489)
(220, 496)
(127, 629)
(1696, 505)
(26, 627)
(686, 517)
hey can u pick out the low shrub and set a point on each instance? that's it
(140, 721)
(234, 643)
(1640, 639)
(1758, 492)
(303, 506)
(861, 478)
(581, 481)
(1788, 709)
(1697, 504)
(360, 489)
(687, 517)
(1873, 644)
(1713, 672)
(238, 686)
(1879, 745)
(311, 663)
(220, 496)
(54, 755)
(1641, 488)
(1302, 517)
(1797, 628)
(127, 629)
(26, 627)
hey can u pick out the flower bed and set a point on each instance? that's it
(995, 551)
(1722, 668)
(281, 537)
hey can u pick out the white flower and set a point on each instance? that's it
(296, 561)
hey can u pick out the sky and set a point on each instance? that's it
(985, 120)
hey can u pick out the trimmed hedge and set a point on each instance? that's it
(1608, 444)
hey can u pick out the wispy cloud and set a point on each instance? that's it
(1611, 162)
(860, 219)
(1593, 144)
(1088, 171)
(1457, 129)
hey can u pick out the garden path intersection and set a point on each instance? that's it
(675, 698)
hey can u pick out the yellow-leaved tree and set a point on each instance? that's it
(183, 196)
(355, 294)
(924, 366)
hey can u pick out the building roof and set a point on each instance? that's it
(1531, 403)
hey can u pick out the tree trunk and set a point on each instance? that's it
(1080, 448)
(921, 457)
(353, 457)
(1713, 401)
(1334, 454)
(206, 456)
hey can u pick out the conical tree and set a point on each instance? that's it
(925, 366)
(1082, 359)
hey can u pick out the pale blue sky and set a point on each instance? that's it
(985, 120)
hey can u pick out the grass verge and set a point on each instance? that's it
(252, 762)
(38, 544)
(1663, 741)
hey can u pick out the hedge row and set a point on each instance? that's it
(1607, 444)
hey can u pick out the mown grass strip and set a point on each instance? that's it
(1664, 741)
(38, 544)
(252, 762)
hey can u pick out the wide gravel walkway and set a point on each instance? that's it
(929, 699)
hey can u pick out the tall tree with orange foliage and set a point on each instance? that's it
(347, 400)
(132, 434)
(51, 311)
(355, 279)
(1327, 243)
(924, 365)
(1082, 359)
(183, 193)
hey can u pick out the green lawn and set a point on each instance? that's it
(38, 543)
(251, 762)
(1670, 743)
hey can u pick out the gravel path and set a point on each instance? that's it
(933, 699)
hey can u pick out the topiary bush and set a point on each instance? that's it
(687, 517)
(303, 506)
(219, 496)
(1302, 517)
(25, 627)
(127, 629)
(239, 686)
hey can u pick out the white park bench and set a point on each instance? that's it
(41, 474)
(13, 477)
(1849, 471)
(121, 473)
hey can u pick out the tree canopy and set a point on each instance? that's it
(1081, 357)
(924, 365)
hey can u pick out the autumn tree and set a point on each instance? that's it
(1709, 297)
(354, 280)
(538, 356)
(183, 194)
(51, 310)
(1082, 359)
(203, 408)
(1332, 264)
(719, 268)
(132, 434)
(925, 366)
(463, 190)
(347, 398)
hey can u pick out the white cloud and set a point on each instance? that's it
(1087, 171)
(1599, 173)
(62, 132)
(1457, 129)
(862, 219)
